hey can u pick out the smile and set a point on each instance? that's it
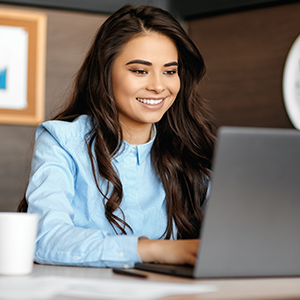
(150, 101)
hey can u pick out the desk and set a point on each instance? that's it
(266, 288)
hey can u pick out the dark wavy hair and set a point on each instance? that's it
(182, 150)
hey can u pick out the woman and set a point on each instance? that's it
(121, 174)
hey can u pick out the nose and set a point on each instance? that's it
(156, 83)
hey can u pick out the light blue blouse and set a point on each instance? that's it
(73, 229)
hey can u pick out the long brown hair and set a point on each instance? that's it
(182, 150)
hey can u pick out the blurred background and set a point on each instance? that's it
(244, 43)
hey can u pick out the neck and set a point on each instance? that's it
(137, 136)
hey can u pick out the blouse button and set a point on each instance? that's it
(121, 254)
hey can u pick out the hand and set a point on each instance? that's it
(168, 252)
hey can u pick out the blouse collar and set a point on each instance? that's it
(142, 151)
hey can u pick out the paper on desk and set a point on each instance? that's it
(48, 287)
(30, 287)
(133, 289)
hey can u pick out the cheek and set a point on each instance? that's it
(124, 86)
(175, 87)
(119, 88)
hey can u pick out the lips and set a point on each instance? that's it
(150, 101)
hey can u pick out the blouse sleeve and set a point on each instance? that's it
(50, 194)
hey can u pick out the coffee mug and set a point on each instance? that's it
(17, 242)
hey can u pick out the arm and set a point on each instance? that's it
(71, 232)
(169, 252)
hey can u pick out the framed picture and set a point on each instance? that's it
(22, 66)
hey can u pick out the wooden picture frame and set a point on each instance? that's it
(33, 26)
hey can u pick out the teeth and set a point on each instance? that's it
(150, 101)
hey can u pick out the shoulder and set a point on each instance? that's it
(63, 130)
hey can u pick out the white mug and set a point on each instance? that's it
(17, 242)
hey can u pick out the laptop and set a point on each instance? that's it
(251, 226)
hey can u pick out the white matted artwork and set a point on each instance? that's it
(22, 66)
(13, 67)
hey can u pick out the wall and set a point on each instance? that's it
(245, 54)
(69, 35)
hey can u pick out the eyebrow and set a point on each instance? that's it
(147, 63)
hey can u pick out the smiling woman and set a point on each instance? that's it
(121, 174)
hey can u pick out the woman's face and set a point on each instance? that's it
(145, 80)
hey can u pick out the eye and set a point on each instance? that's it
(170, 72)
(138, 72)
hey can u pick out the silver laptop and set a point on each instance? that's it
(251, 226)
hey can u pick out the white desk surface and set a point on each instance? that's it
(248, 288)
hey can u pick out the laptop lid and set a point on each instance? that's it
(251, 225)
